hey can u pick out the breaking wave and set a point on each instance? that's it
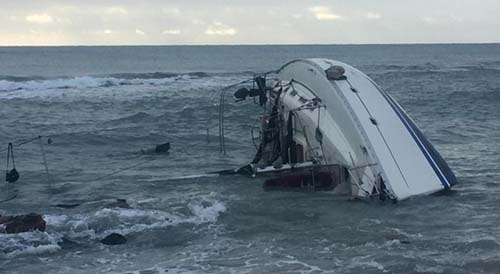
(124, 75)
(158, 75)
(92, 227)
(16, 83)
(86, 82)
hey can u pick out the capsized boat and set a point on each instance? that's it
(326, 125)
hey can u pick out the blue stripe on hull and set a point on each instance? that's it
(440, 167)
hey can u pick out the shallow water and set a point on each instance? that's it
(102, 105)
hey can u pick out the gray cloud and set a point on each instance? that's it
(71, 22)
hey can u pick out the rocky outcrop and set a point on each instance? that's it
(114, 239)
(22, 223)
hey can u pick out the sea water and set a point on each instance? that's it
(102, 107)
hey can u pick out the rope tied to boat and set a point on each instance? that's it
(12, 175)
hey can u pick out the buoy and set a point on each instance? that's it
(12, 175)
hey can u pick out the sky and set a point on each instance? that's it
(196, 22)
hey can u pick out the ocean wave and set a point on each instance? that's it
(481, 68)
(158, 75)
(85, 82)
(433, 68)
(95, 226)
(12, 78)
(133, 118)
(13, 245)
(35, 83)
(123, 75)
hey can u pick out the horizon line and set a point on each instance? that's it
(270, 44)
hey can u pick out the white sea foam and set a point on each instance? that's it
(33, 250)
(62, 83)
(83, 82)
(26, 243)
(428, 269)
(99, 224)
(206, 214)
(406, 234)
(161, 270)
(126, 221)
(90, 82)
(364, 262)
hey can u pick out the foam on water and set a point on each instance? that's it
(82, 82)
(28, 243)
(107, 86)
(103, 222)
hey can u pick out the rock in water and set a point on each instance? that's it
(22, 223)
(114, 239)
(162, 148)
(67, 205)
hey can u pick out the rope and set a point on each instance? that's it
(221, 134)
(10, 198)
(142, 163)
(23, 142)
(125, 169)
(45, 161)
(10, 154)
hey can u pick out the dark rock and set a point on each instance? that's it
(114, 239)
(158, 149)
(22, 223)
(162, 148)
(67, 205)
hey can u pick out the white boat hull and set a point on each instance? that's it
(363, 129)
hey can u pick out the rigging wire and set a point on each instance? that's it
(125, 169)
(221, 122)
(45, 163)
(24, 142)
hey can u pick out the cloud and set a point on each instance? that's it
(271, 12)
(429, 20)
(171, 11)
(372, 15)
(197, 22)
(116, 10)
(42, 18)
(171, 32)
(106, 31)
(139, 32)
(324, 13)
(63, 20)
(219, 28)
